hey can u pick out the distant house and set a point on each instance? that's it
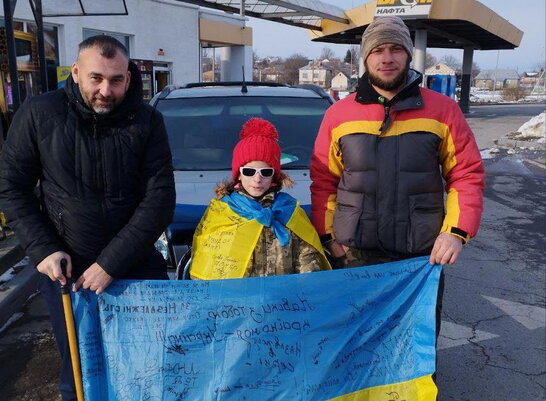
(340, 82)
(532, 78)
(502, 79)
(268, 69)
(272, 74)
(439, 69)
(316, 73)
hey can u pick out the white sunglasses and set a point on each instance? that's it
(265, 172)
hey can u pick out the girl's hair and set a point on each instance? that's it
(228, 186)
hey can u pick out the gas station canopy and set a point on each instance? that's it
(302, 13)
(72, 8)
(449, 24)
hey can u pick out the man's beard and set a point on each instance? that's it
(102, 108)
(396, 83)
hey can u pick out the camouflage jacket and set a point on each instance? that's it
(271, 259)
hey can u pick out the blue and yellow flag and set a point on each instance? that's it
(227, 234)
(364, 334)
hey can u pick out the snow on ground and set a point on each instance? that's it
(478, 95)
(488, 153)
(533, 129)
(485, 96)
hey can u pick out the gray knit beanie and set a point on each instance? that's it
(386, 30)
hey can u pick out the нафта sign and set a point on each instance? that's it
(403, 8)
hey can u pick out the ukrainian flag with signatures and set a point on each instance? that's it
(365, 334)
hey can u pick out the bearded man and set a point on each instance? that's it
(381, 158)
(103, 164)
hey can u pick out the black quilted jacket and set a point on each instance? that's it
(106, 181)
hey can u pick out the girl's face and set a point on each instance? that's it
(256, 185)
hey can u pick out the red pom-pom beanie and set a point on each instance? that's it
(259, 142)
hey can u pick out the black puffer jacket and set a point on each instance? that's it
(106, 181)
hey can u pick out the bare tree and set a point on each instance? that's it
(327, 53)
(451, 61)
(430, 60)
(256, 68)
(291, 68)
(355, 57)
(355, 51)
(475, 70)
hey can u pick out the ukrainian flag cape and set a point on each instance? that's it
(230, 228)
(361, 334)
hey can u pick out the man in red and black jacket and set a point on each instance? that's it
(382, 158)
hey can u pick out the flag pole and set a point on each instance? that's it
(71, 332)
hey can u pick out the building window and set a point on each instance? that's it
(315, 75)
(304, 75)
(25, 36)
(123, 39)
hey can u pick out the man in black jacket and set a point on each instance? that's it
(102, 160)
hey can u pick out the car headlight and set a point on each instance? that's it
(162, 246)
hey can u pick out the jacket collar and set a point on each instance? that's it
(266, 200)
(132, 102)
(408, 98)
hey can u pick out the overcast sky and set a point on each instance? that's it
(273, 39)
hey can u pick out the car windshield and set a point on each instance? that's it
(203, 131)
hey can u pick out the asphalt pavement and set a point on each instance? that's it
(492, 342)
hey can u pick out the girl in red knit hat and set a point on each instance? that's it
(252, 228)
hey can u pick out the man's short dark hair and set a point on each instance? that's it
(108, 46)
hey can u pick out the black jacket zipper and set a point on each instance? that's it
(99, 168)
(386, 119)
(384, 127)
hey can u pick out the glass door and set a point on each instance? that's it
(162, 76)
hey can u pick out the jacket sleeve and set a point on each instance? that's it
(305, 258)
(463, 171)
(154, 212)
(326, 169)
(20, 170)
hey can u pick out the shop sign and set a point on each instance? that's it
(403, 8)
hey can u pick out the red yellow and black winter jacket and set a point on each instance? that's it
(378, 165)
